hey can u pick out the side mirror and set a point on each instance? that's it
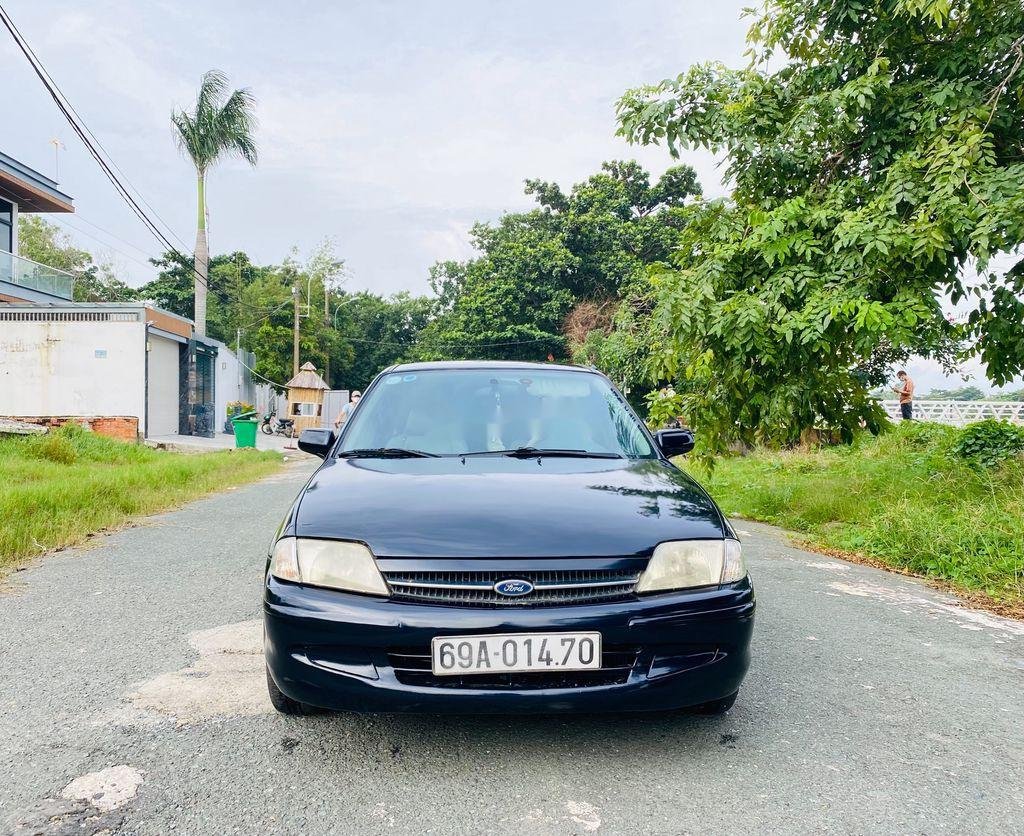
(317, 441)
(671, 442)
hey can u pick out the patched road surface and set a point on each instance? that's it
(133, 701)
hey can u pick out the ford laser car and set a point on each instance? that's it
(503, 538)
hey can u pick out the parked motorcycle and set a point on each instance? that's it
(282, 426)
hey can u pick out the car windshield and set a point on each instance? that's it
(450, 412)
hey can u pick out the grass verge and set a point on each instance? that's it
(57, 489)
(903, 500)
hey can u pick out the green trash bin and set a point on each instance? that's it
(245, 431)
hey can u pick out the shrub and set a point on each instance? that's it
(989, 442)
(57, 446)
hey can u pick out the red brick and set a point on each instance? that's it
(123, 428)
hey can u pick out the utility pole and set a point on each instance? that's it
(238, 321)
(295, 338)
(327, 362)
(238, 359)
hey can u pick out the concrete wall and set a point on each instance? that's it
(72, 366)
(234, 382)
(226, 383)
(164, 371)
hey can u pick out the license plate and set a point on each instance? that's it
(460, 655)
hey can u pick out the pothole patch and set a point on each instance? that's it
(60, 817)
(227, 680)
(90, 805)
(106, 790)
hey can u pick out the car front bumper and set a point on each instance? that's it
(341, 651)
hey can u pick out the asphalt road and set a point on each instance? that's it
(132, 699)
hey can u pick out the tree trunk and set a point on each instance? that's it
(202, 260)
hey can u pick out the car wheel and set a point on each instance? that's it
(282, 702)
(716, 707)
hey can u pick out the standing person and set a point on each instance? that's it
(346, 410)
(906, 394)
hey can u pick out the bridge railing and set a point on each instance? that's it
(958, 413)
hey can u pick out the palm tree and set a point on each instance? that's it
(221, 125)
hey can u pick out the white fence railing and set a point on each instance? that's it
(958, 413)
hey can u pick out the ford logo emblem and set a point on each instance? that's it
(513, 588)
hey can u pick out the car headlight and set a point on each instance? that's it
(335, 564)
(688, 563)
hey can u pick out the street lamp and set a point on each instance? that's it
(327, 371)
(336, 307)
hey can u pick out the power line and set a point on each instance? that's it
(88, 234)
(272, 311)
(66, 223)
(467, 343)
(267, 316)
(57, 218)
(60, 100)
(261, 377)
(105, 232)
(34, 59)
(64, 105)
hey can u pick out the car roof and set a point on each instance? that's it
(487, 364)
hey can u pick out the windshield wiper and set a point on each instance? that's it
(385, 453)
(541, 452)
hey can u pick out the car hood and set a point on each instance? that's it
(502, 507)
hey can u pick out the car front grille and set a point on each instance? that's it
(477, 589)
(412, 667)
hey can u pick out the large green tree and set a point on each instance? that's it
(348, 337)
(222, 124)
(375, 332)
(875, 152)
(589, 245)
(228, 276)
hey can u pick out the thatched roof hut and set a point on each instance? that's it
(306, 397)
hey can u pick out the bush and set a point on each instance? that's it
(60, 445)
(55, 447)
(989, 442)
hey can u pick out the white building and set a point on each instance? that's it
(131, 361)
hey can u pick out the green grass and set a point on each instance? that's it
(57, 489)
(904, 499)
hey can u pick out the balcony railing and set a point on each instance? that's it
(29, 274)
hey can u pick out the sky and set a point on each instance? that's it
(388, 127)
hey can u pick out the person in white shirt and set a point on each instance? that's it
(346, 410)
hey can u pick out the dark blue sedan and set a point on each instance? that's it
(503, 538)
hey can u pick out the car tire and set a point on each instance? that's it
(283, 703)
(716, 707)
